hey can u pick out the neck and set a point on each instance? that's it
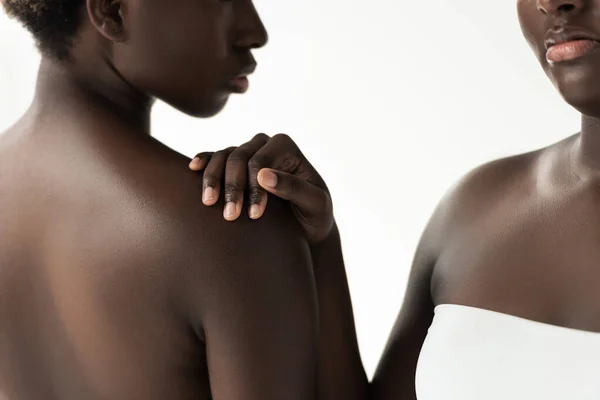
(587, 151)
(64, 86)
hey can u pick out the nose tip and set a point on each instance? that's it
(260, 38)
(254, 38)
(557, 7)
(251, 32)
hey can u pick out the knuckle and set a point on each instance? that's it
(257, 162)
(210, 179)
(221, 154)
(283, 137)
(233, 191)
(225, 152)
(286, 141)
(234, 186)
(256, 194)
(261, 137)
(238, 156)
(291, 163)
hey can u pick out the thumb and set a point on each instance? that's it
(309, 198)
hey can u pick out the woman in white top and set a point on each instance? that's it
(503, 300)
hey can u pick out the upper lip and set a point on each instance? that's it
(247, 70)
(554, 37)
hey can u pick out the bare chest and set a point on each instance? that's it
(538, 259)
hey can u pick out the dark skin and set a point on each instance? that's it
(278, 167)
(116, 282)
(517, 235)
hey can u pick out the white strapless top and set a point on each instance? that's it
(475, 354)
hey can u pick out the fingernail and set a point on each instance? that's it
(229, 210)
(195, 162)
(254, 211)
(209, 195)
(268, 179)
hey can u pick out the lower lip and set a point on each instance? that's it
(571, 50)
(239, 85)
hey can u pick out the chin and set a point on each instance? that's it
(589, 109)
(203, 108)
(584, 98)
(579, 86)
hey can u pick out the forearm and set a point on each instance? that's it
(341, 373)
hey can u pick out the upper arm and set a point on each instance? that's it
(395, 375)
(255, 301)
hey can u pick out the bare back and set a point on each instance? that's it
(113, 278)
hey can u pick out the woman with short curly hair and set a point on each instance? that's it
(115, 281)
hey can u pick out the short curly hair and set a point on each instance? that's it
(53, 23)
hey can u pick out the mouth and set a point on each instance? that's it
(567, 45)
(240, 83)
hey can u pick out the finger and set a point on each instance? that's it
(236, 175)
(257, 195)
(213, 176)
(257, 198)
(280, 153)
(310, 199)
(287, 155)
(200, 161)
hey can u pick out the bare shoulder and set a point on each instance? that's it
(476, 194)
(127, 223)
(491, 186)
(245, 288)
(222, 267)
(208, 255)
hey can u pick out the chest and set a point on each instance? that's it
(537, 258)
